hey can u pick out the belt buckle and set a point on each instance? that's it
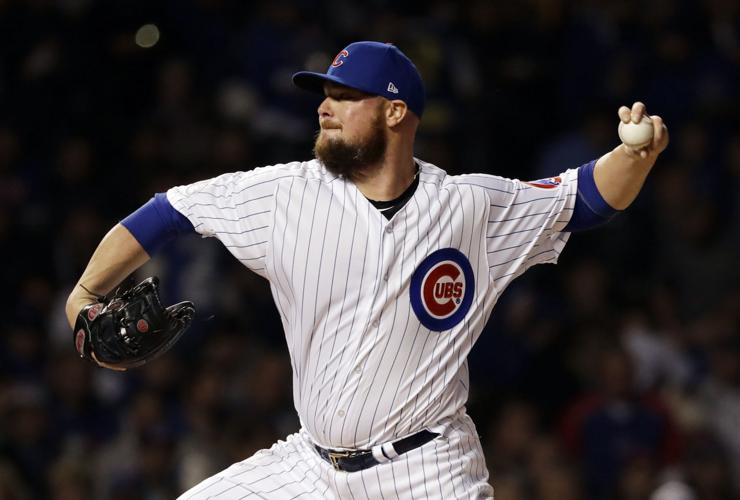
(334, 457)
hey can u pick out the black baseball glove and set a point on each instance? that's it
(131, 327)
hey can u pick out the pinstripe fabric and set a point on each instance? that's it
(365, 368)
(448, 467)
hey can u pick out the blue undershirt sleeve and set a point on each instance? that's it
(590, 210)
(156, 223)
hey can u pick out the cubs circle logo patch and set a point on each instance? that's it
(442, 289)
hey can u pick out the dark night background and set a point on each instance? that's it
(614, 375)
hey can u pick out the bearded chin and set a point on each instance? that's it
(349, 160)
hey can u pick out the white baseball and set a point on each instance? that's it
(636, 135)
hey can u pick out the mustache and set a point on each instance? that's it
(329, 124)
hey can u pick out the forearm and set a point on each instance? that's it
(117, 256)
(620, 174)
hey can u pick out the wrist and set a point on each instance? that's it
(633, 157)
(74, 305)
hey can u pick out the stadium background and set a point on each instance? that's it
(614, 375)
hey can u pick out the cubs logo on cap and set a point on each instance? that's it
(442, 289)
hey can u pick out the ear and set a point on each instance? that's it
(395, 112)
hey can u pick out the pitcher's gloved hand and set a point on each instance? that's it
(131, 327)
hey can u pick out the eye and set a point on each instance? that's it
(346, 96)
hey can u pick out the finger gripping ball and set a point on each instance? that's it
(636, 135)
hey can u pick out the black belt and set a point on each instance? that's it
(356, 460)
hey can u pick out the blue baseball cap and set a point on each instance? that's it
(372, 67)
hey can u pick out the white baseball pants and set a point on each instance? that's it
(451, 466)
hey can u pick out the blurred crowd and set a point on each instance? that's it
(614, 375)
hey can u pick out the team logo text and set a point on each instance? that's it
(442, 288)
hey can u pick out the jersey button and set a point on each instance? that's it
(385, 277)
(340, 413)
(374, 324)
(358, 370)
(389, 228)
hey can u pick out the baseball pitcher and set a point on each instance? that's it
(384, 270)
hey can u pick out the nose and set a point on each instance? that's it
(324, 108)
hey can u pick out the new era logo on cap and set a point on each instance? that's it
(372, 67)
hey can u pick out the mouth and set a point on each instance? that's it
(329, 126)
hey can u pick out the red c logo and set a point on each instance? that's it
(337, 60)
(442, 296)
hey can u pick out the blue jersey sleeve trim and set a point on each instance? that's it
(156, 223)
(590, 210)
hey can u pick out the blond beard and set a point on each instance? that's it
(351, 160)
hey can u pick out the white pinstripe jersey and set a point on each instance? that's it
(379, 316)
